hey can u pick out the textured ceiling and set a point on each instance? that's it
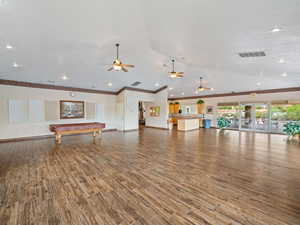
(77, 37)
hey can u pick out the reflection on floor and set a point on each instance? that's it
(152, 177)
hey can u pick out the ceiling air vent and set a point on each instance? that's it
(252, 54)
(136, 83)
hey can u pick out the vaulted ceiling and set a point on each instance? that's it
(76, 38)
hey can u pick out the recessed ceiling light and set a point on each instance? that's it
(170, 88)
(275, 30)
(156, 84)
(64, 77)
(15, 65)
(281, 61)
(8, 46)
(171, 95)
(196, 92)
(258, 83)
(109, 84)
(284, 74)
(182, 93)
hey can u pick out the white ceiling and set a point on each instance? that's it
(77, 37)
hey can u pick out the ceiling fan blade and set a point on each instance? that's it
(124, 69)
(110, 69)
(128, 65)
(179, 75)
(180, 72)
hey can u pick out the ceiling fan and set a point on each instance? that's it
(202, 88)
(174, 74)
(117, 64)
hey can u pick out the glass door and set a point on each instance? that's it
(254, 117)
(261, 117)
(247, 117)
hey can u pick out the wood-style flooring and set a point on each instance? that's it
(152, 177)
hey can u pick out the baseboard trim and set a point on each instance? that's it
(32, 138)
(131, 130)
(189, 130)
(160, 128)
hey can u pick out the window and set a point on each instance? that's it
(282, 114)
(231, 112)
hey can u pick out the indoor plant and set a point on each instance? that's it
(292, 129)
(201, 106)
(223, 122)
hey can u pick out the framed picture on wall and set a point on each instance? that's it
(155, 111)
(209, 110)
(71, 109)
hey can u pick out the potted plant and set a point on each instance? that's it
(292, 129)
(223, 123)
(201, 106)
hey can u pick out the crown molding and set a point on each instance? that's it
(53, 87)
(267, 91)
(161, 89)
(84, 90)
(141, 90)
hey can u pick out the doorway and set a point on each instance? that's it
(142, 111)
(254, 117)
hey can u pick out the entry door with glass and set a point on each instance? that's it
(254, 117)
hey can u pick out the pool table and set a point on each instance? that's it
(75, 128)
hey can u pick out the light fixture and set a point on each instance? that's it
(117, 67)
(8, 46)
(196, 92)
(16, 65)
(170, 88)
(258, 83)
(64, 77)
(202, 88)
(171, 95)
(173, 73)
(284, 74)
(275, 30)
(156, 84)
(281, 60)
(109, 84)
(182, 93)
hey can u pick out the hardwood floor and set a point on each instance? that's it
(152, 177)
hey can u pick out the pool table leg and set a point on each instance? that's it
(58, 138)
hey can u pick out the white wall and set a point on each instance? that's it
(161, 100)
(30, 128)
(127, 104)
(266, 98)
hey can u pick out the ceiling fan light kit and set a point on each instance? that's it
(202, 88)
(173, 73)
(117, 65)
